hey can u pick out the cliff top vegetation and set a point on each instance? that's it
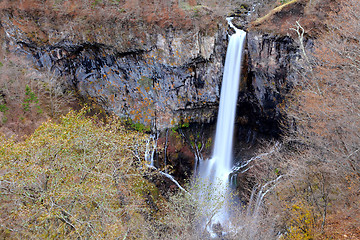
(311, 14)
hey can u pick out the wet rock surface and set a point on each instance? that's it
(271, 72)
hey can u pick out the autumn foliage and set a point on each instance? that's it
(73, 179)
(322, 162)
(82, 178)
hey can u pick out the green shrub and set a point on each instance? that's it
(3, 108)
(30, 98)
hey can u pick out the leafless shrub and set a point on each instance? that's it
(321, 158)
(56, 95)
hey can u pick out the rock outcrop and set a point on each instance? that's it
(269, 79)
(158, 77)
(276, 62)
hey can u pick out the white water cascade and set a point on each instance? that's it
(215, 171)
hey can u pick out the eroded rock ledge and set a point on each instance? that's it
(174, 77)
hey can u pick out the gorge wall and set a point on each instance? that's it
(155, 76)
(165, 77)
(159, 74)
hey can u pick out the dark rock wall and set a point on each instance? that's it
(270, 68)
(270, 75)
(176, 78)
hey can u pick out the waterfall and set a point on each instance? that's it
(151, 149)
(151, 145)
(215, 171)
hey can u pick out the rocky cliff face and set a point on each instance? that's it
(276, 62)
(173, 77)
(160, 76)
(271, 72)
(156, 75)
(271, 67)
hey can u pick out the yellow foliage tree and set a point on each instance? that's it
(73, 179)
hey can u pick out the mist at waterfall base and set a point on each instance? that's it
(214, 172)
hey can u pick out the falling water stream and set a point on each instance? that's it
(216, 170)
